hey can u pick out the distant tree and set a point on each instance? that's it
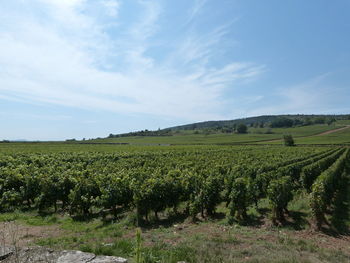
(269, 131)
(206, 131)
(297, 122)
(330, 120)
(282, 122)
(242, 128)
(226, 129)
(320, 120)
(261, 125)
(235, 127)
(288, 140)
(307, 121)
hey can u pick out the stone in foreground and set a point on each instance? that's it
(75, 257)
(45, 255)
(5, 252)
(106, 259)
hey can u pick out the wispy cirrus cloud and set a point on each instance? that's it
(63, 54)
(195, 10)
(317, 95)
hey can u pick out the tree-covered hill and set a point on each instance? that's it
(231, 126)
(266, 120)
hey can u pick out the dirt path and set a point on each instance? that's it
(330, 131)
(12, 233)
(318, 134)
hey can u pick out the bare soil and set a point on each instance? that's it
(14, 234)
(331, 131)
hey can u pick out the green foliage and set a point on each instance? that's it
(288, 140)
(115, 191)
(240, 199)
(279, 193)
(282, 122)
(84, 195)
(325, 187)
(154, 180)
(310, 172)
(242, 128)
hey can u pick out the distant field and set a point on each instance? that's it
(254, 135)
(340, 137)
(343, 122)
(58, 147)
(188, 138)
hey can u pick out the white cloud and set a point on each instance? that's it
(146, 26)
(65, 12)
(64, 4)
(313, 96)
(199, 48)
(112, 7)
(58, 61)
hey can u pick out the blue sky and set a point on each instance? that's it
(83, 68)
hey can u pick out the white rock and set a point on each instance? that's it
(5, 252)
(75, 257)
(107, 259)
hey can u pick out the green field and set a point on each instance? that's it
(254, 135)
(340, 137)
(198, 203)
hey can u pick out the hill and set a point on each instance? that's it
(268, 128)
(311, 134)
(264, 121)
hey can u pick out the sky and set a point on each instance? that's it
(88, 68)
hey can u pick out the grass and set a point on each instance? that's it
(211, 240)
(340, 137)
(254, 135)
(29, 218)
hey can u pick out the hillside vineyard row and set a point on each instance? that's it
(193, 181)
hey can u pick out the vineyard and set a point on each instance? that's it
(192, 181)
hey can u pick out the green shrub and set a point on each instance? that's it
(288, 140)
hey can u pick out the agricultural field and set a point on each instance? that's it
(198, 203)
(340, 137)
(254, 135)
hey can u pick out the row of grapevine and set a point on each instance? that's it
(286, 180)
(326, 185)
(247, 185)
(310, 172)
(152, 181)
